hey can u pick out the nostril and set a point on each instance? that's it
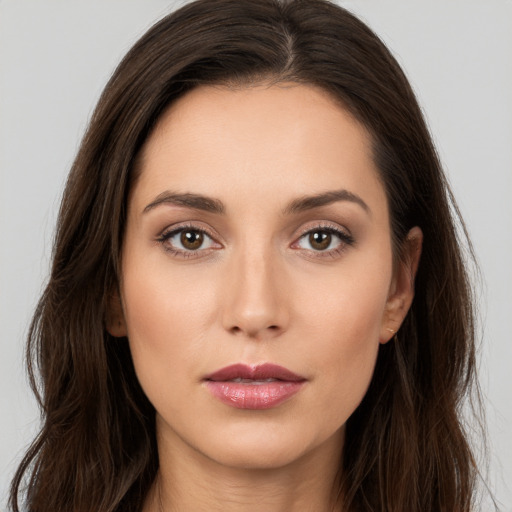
(238, 330)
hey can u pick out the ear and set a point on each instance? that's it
(401, 291)
(114, 318)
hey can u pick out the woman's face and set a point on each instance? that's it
(258, 236)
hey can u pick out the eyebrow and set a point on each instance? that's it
(195, 201)
(323, 199)
(212, 205)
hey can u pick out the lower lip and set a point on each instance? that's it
(253, 396)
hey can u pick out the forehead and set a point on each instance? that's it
(291, 138)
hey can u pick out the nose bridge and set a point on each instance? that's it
(255, 305)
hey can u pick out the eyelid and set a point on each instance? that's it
(192, 225)
(325, 226)
(174, 229)
(344, 235)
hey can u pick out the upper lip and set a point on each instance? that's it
(254, 372)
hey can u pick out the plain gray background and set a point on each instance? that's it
(55, 57)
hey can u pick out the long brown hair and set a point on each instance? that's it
(405, 449)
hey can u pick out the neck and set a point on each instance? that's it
(187, 480)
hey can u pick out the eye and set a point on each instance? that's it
(324, 239)
(186, 241)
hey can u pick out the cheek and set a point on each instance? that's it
(348, 303)
(347, 333)
(343, 319)
(162, 301)
(166, 321)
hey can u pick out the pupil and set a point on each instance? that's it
(320, 240)
(191, 239)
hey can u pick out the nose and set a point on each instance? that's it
(255, 302)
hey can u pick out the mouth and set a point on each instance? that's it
(253, 387)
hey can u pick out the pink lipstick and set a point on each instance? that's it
(253, 387)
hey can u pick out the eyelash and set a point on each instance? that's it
(167, 235)
(345, 238)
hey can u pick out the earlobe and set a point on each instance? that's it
(114, 318)
(401, 292)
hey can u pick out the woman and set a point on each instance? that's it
(257, 300)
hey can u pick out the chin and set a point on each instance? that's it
(266, 449)
(258, 456)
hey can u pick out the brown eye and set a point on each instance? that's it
(191, 240)
(188, 242)
(320, 240)
(324, 241)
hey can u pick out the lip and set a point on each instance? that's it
(256, 387)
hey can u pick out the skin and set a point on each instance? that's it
(257, 290)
